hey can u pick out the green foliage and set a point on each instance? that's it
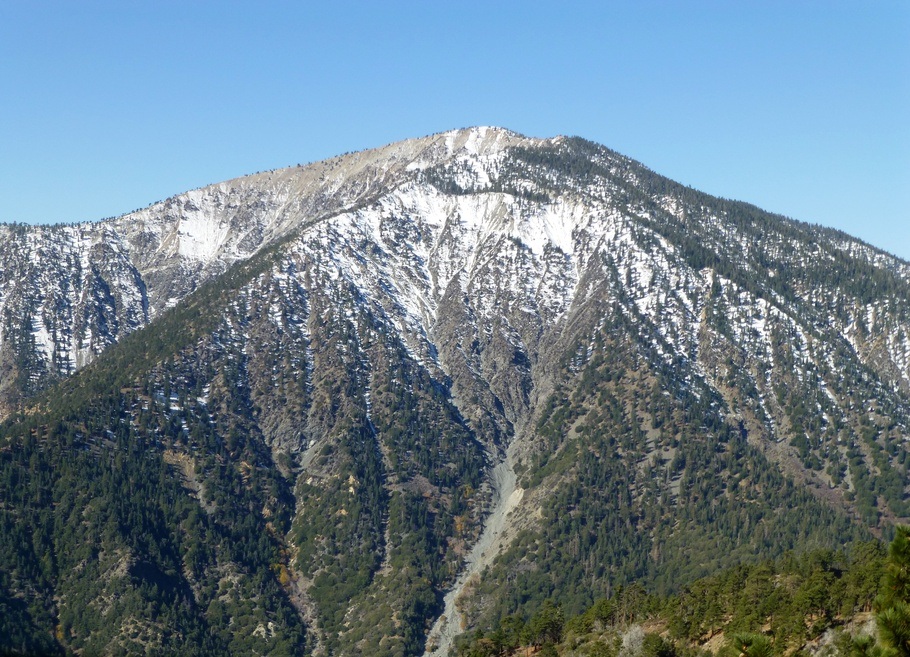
(117, 552)
(190, 531)
(866, 646)
(765, 609)
(655, 645)
(893, 605)
(546, 625)
(697, 499)
(747, 644)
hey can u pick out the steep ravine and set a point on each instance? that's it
(506, 496)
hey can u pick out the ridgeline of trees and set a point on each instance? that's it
(821, 602)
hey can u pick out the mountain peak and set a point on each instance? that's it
(478, 363)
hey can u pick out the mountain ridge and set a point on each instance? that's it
(354, 363)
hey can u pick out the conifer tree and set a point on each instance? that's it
(747, 644)
(894, 602)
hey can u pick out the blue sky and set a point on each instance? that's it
(802, 108)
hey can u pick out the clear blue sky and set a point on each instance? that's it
(800, 107)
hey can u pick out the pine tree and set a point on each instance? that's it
(747, 644)
(893, 604)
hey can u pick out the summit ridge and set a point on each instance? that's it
(347, 375)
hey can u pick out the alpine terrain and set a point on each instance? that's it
(363, 406)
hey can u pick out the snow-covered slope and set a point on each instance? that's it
(472, 282)
(73, 290)
(67, 292)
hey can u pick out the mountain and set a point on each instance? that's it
(360, 406)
